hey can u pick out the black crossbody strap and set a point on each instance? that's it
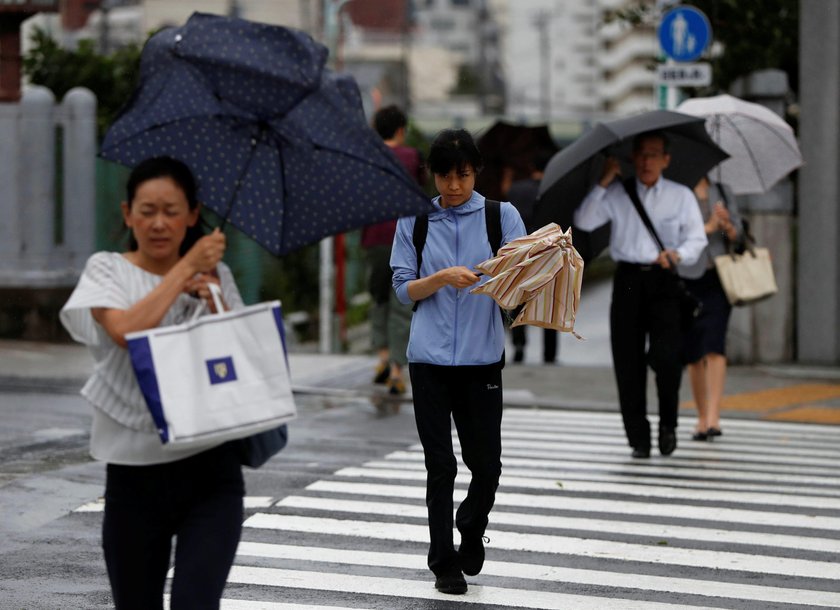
(630, 187)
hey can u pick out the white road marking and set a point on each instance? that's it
(417, 589)
(553, 544)
(628, 476)
(631, 528)
(665, 584)
(708, 472)
(715, 514)
(647, 491)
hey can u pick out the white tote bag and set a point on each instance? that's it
(219, 377)
(746, 278)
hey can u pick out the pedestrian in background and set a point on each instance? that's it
(704, 347)
(523, 195)
(455, 354)
(390, 320)
(645, 305)
(153, 494)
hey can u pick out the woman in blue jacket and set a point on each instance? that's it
(455, 354)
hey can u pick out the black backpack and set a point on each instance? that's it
(492, 221)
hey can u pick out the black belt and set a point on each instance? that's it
(624, 266)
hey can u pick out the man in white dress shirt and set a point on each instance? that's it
(645, 300)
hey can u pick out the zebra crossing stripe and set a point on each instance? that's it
(715, 514)
(553, 438)
(696, 450)
(645, 478)
(551, 574)
(632, 528)
(244, 604)
(717, 452)
(484, 596)
(673, 473)
(744, 436)
(599, 419)
(650, 491)
(554, 544)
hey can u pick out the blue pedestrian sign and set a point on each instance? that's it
(684, 33)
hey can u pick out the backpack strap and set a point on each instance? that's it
(418, 237)
(492, 222)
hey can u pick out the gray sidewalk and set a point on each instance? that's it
(790, 393)
(581, 379)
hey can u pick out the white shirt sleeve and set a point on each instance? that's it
(593, 211)
(692, 232)
(98, 286)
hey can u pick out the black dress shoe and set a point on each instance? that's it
(641, 453)
(471, 554)
(452, 583)
(714, 432)
(699, 436)
(667, 441)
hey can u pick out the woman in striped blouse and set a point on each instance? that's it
(152, 494)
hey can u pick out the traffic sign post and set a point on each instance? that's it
(684, 34)
(684, 75)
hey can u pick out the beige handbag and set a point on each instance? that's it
(746, 278)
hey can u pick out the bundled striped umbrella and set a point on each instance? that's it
(541, 271)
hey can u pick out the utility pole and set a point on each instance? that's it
(405, 44)
(541, 21)
(331, 249)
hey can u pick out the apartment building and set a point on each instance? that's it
(564, 61)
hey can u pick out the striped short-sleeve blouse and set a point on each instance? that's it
(123, 431)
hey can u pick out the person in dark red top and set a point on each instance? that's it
(390, 319)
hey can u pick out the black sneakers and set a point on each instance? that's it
(471, 554)
(452, 583)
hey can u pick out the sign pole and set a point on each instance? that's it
(684, 34)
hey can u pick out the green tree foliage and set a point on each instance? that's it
(468, 82)
(754, 34)
(110, 77)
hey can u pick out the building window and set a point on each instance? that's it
(440, 24)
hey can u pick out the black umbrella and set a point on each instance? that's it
(512, 146)
(573, 171)
(279, 144)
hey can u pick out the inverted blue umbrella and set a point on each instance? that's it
(279, 144)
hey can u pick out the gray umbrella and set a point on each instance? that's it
(573, 171)
(762, 146)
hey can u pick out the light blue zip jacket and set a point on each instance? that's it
(452, 327)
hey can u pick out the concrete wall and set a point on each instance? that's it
(47, 173)
(818, 265)
(764, 332)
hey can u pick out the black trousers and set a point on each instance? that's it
(520, 339)
(472, 397)
(645, 313)
(198, 500)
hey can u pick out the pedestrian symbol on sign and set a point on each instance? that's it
(684, 33)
